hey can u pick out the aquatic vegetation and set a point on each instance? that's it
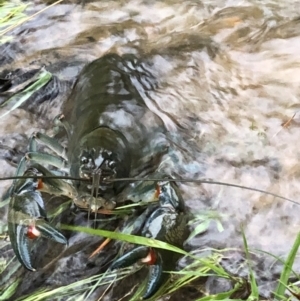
(33, 85)
(203, 264)
(12, 15)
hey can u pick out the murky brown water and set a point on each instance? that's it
(228, 74)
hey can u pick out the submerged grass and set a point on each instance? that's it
(12, 15)
(81, 287)
(254, 294)
(201, 265)
(206, 266)
(287, 270)
(39, 81)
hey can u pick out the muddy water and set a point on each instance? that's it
(228, 79)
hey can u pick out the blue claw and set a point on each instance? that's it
(166, 222)
(20, 245)
(130, 258)
(155, 277)
(27, 220)
(50, 232)
(148, 256)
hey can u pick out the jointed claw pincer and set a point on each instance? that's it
(167, 222)
(27, 218)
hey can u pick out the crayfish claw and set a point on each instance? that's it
(20, 244)
(148, 256)
(130, 258)
(27, 220)
(47, 231)
(155, 277)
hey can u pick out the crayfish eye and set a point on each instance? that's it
(84, 160)
(106, 154)
(112, 164)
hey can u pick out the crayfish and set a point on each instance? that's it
(111, 134)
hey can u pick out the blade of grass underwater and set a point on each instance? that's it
(113, 274)
(4, 203)
(181, 279)
(139, 240)
(284, 277)
(11, 14)
(5, 39)
(294, 290)
(150, 242)
(191, 272)
(21, 86)
(16, 24)
(9, 291)
(254, 289)
(139, 291)
(222, 296)
(19, 98)
(203, 220)
(69, 290)
(12, 267)
(199, 229)
(278, 259)
(11, 11)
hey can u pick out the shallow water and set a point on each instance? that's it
(227, 78)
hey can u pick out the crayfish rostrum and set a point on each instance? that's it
(111, 134)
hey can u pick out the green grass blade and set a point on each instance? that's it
(11, 12)
(18, 99)
(202, 220)
(278, 259)
(284, 277)
(139, 240)
(254, 289)
(9, 291)
(222, 296)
